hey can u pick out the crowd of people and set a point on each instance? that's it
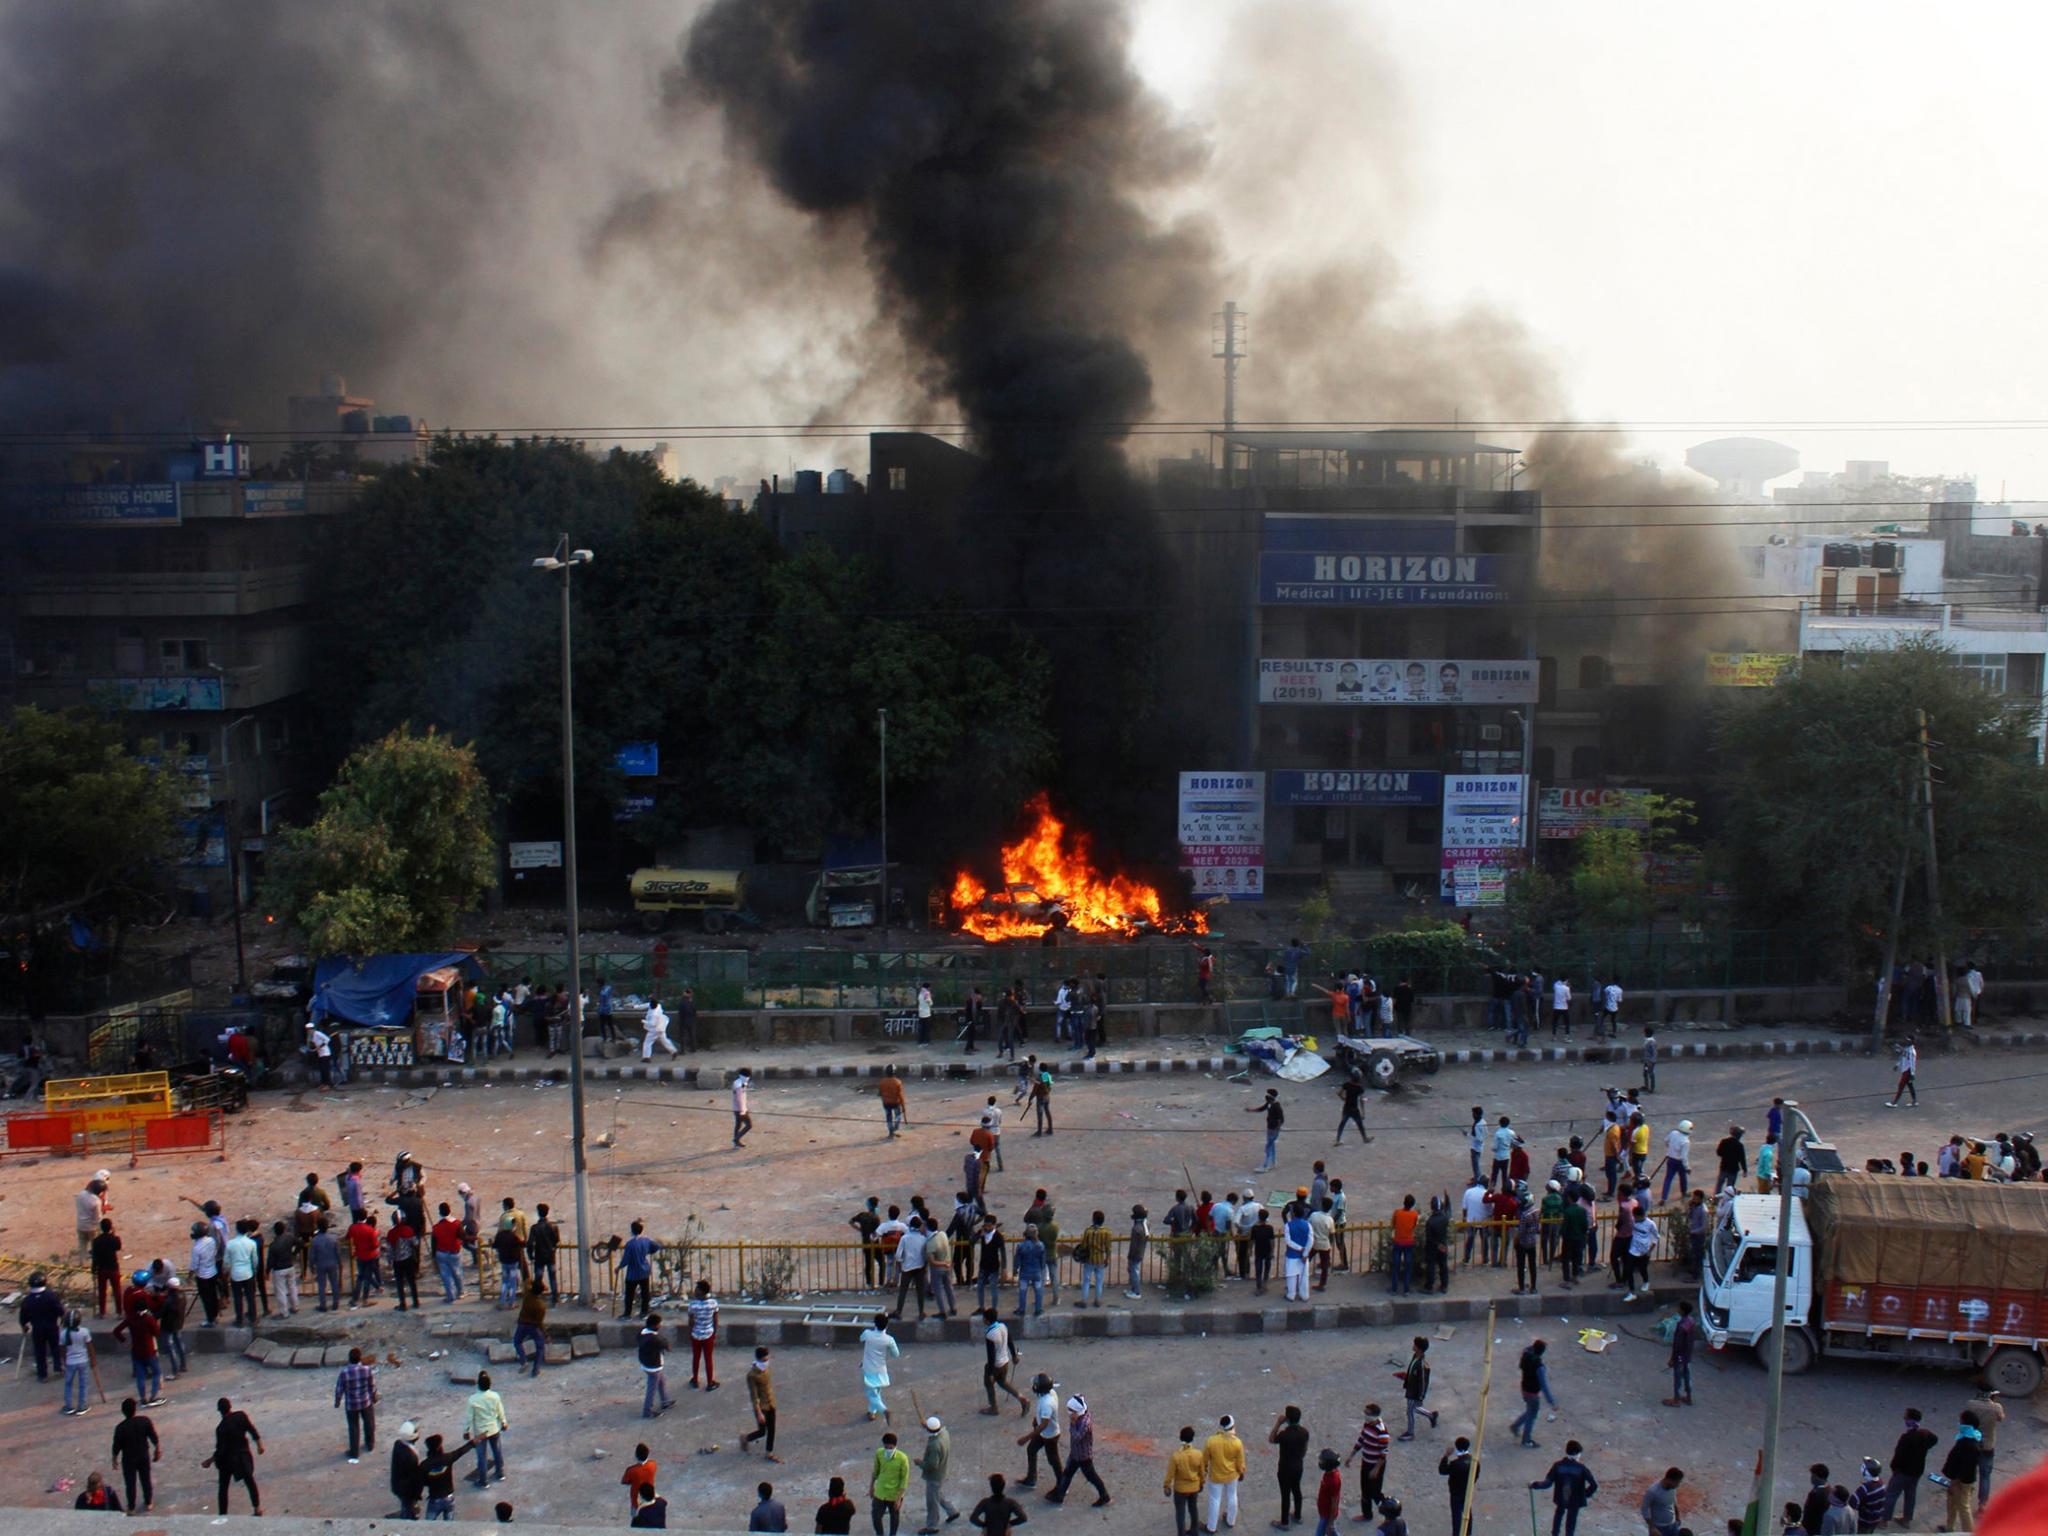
(243, 1269)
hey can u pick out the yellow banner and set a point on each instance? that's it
(1747, 669)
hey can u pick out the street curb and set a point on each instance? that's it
(913, 1071)
(1622, 1052)
(1617, 1053)
(1123, 1322)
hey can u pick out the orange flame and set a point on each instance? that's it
(1044, 866)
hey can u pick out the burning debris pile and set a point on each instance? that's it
(1049, 882)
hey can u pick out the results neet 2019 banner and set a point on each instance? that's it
(1403, 680)
(1223, 833)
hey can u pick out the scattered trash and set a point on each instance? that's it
(599, 1454)
(64, 1485)
(1593, 1341)
(707, 1450)
(1444, 1332)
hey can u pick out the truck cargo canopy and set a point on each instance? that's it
(1884, 1230)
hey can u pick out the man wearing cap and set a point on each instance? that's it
(1080, 1454)
(92, 1210)
(1223, 1467)
(1043, 1437)
(1870, 1497)
(931, 1466)
(407, 1484)
(1677, 1159)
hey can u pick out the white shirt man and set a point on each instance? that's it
(205, 1255)
(1610, 1000)
(1678, 1148)
(1561, 995)
(654, 1031)
(924, 1002)
(241, 1257)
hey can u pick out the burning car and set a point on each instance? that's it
(1050, 883)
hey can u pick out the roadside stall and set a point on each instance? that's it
(395, 1010)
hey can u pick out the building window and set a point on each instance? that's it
(1987, 669)
(47, 658)
(1543, 764)
(1425, 824)
(899, 478)
(1585, 763)
(181, 655)
(1592, 671)
(128, 651)
(1546, 680)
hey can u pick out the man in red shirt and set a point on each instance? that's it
(363, 1243)
(141, 1328)
(1505, 1209)
(448, 1255)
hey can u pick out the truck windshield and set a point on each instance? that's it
(1721, 1251)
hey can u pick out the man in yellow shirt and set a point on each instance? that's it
(1638, 1147)
(1223, 1464)
(1184, 1472)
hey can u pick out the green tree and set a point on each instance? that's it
(85, 824)
(402, 847)
(1610, 878)
(758, 670)
(1820, 789)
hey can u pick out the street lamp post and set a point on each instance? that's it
(1785, 1170)
(565, 560)
(882, 901)
(234, 838)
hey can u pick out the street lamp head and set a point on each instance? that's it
(582, 556)
(547, 563)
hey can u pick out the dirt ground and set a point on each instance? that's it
(818, 1146)
(1141, 1392)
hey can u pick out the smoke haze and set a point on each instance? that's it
(516, 214)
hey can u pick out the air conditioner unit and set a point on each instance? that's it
(1489, 733)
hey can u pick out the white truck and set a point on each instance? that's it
(1945, 1272)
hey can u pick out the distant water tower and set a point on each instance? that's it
(1740, 466)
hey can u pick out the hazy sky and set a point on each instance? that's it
(1752, 214)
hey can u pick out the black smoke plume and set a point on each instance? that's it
(988, 162)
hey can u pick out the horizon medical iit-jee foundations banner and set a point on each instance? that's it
(1223, 833)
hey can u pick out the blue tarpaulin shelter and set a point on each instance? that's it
(378, 992)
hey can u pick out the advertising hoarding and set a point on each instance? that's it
(1396, 680)
(1747, 669)
(1482, 837)
(1575, 812)
(151, 504)
(1355, 786)
(1222, 820)
(1390, 578)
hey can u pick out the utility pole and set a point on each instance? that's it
(565, 560)
(1891, 938)
(1228, 344)
(1800, 1130)
(882, 901)
(1941, 998)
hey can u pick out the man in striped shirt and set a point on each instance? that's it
(1371, 1451)
(703, 1334)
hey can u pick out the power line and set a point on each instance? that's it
(720, 431)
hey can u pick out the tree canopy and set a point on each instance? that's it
(401, 849)
(758, 671)
(84, 822)
(1821, 785)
